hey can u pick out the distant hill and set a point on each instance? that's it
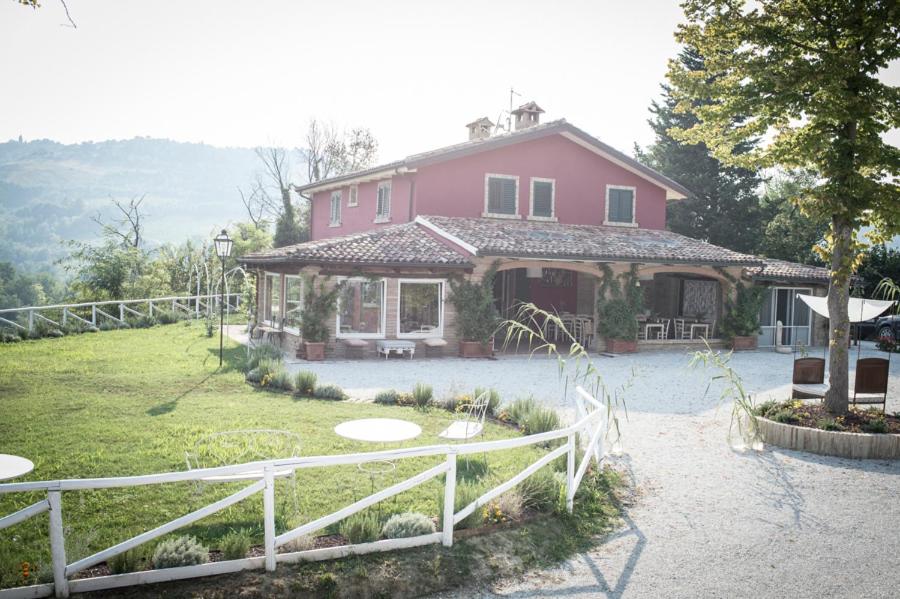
(49, 191)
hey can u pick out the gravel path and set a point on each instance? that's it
(708, 521)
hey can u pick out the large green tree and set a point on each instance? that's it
(724, 206)
(804, 76)
(788, 233)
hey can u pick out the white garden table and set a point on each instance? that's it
(378, 430)
(12, 466)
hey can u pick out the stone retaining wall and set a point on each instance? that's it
(833, 443)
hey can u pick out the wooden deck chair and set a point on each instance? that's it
(870, 386)
(808, 381)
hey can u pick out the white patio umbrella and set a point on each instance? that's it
(859, 309)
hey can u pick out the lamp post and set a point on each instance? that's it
(223, 250)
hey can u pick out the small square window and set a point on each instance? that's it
(620, 205)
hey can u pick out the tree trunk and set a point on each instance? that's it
(839, 321)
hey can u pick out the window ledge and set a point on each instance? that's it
(334, 224)
(610, 223)
(359, 336)
(548, 219)
(383, 219)
(421, 336)
(506, 216)
(356, 205)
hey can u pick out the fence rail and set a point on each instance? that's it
(589, 428)
(192, 305)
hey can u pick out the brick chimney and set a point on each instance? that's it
(480, 129)
(527, 115)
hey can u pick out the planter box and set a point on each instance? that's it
(867, 446)
(744, 343)
(621, 346)
(475, 349)
(314, 351)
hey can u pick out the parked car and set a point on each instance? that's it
(888, 326)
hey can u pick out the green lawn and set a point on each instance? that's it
(133, 401)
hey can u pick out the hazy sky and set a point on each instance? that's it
(251, 73)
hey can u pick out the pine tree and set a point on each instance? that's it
(724, 207)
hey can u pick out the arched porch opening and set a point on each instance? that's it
(681, 306)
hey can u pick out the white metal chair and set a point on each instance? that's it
(469, 423)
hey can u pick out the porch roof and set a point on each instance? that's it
(549, 240)
(406, 244)
(781, 270)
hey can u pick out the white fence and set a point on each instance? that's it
(590, 427)
(91, 313)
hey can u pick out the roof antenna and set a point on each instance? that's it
(512, 94)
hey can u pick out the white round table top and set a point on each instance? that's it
(12, 466)
(379, 430)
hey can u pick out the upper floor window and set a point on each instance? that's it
(619, 206)
(353, 196)
(335, 209)
(501, 196)
(383, 203)
(543, 198)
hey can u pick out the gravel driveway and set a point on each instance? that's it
(708, 521)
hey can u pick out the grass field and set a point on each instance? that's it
(134, 401)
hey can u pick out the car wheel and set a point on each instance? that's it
(886, 332)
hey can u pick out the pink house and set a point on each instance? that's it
(555, 208)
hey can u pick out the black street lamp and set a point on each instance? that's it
(223, 250)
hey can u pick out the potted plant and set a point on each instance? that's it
(741, 321)
(476, 316)
(318, 308)
(617, 310)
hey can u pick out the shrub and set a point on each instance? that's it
(235, 544)
(210, 327)
(765, 407)
(281, 379)
(540, 420)
(461, 403)
(422, 394)
(387, 397)
(477, 317)
(829, 424)
(520, 408)
(466, 493)
(783, 415)
(410, 524)
(180, 551)
(875, 425)
(540, 491)
(318, 309)
(129, 561)
(167, 316)
(361, 527)
(264, 371)
(406, 399)
(330, 392)
(617, 320)
(742, 313)
(492, 396)
(326, 585)
(9, 337)
(503, 509)
(263, 351)
(305, 383)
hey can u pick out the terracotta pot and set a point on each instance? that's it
(476, 349)
(621, 346)
(315, 351)
(744, 342)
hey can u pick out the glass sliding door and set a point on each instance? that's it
(783, 304)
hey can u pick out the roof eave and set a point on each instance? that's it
(627, 259)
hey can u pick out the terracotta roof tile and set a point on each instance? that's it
(403, 244)
(540, 239)
(781, 270)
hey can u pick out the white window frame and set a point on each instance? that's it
(633, 222)
(531, 215)
(383, 218)
(267, 308)
(487, 181)
(337, 319)
(291, 330)
(335, 195)
(353, 196)
(439, 331)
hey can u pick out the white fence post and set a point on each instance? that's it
(94, 315)
(269, 518)
(570, 474)
(197, 306)
(30, 320)
(57, 545)
(122, 312)
(449, 501)
(150, 307)
(65, 315)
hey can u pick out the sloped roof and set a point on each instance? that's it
(781, 270)
(673, 189)
(405, 244)
(548, 240)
